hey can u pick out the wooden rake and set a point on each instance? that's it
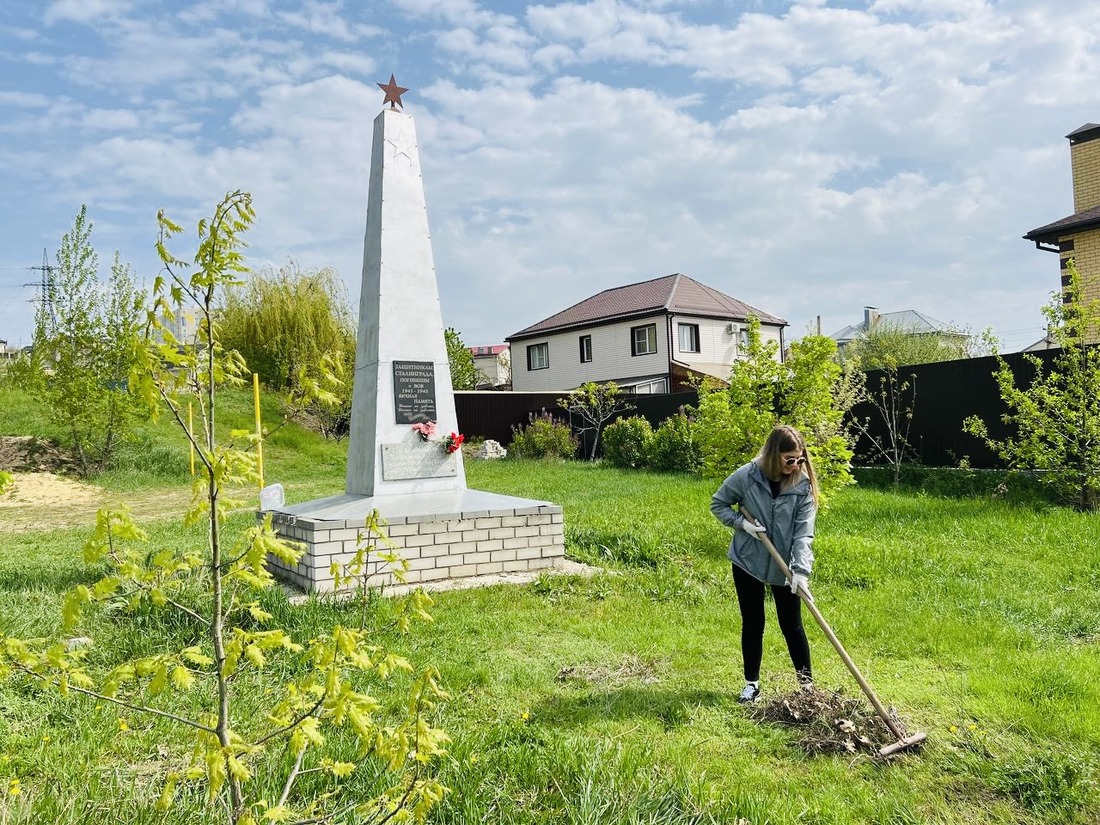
(904, 742)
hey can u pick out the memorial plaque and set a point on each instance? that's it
(413, 391)
(401, 462)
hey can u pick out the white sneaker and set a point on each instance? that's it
(749, 694)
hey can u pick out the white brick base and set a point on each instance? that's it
(445, 546)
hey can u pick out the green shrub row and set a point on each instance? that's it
(543, 437)
(633, 443)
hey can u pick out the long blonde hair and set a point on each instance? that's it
(786, 439)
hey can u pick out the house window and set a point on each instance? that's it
(643, 340)
(655, 387)
(538, 357)
(689, 337)
(586, 348)
(743, 340)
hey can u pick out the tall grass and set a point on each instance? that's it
(610, 698)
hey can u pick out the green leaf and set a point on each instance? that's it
(196, 657)
(342, 769)
(182, 678)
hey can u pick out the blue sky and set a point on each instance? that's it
(809, 158)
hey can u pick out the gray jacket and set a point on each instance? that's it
(789, 519)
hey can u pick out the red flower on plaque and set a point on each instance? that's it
(453, 442)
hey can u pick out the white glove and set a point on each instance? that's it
(752, 528)
(801, 580)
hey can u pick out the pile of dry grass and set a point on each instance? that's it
(631, 669)
(829, 722)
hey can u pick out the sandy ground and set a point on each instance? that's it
(40, 501)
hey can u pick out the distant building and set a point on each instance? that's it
(907, 320)
(1077, 236)
(494, 366)
(652, 337)
(5, 353)
(185, 326)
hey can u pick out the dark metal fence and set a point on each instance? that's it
(946, 394)
(494, 414)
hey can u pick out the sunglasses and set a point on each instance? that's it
(790, 462)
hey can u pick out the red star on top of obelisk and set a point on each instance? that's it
(393, 93)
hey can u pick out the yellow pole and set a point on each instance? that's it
(259, 427)
(191, 440)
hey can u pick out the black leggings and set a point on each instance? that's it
(788, 609)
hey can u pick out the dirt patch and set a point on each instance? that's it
(829, 722)
(27, 454)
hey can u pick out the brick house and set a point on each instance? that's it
(652, 337)
(1077, 236)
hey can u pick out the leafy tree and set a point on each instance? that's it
(83, 351)
(810, 391)
(289, 324)
(250, 758)
(464, 374)
(733, 421)
(595, 404)
(1056, 417)
(817, 395)
(887, 344)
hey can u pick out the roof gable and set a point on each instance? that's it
(674, 293)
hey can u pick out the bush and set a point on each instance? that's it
(543, 438)
(673, 448)
(626, 442)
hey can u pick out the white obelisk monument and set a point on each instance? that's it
(402, 375)
(396, 469)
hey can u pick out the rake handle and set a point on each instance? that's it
(828, 631)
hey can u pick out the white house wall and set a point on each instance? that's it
(611, 358)
(716, 345)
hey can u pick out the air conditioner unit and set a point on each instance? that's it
(731, 329)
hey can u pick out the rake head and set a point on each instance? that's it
(913, 741)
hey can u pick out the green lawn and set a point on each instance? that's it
(611, 698)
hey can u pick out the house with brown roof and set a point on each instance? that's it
(652, 337)
(1077, 236)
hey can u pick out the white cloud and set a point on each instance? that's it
(24, 100)
(111, 120)
(328, 19)
(84, 11)
(452, 12)
(208, 11)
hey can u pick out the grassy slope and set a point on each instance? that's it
(978, 619)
